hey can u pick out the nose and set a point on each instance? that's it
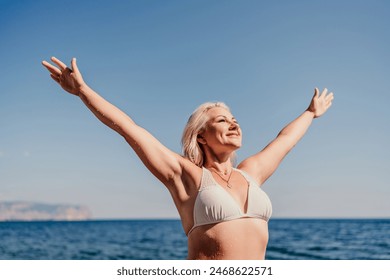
(233, 125)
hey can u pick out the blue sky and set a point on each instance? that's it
(159, 60)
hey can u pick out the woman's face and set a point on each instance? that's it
(222, 130)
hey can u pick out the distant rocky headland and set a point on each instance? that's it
(33, 211)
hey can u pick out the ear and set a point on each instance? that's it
(201, 139)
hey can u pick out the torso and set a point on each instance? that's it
(225, 237)
(244, 238)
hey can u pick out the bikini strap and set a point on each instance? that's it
(207, 179)
(247, 177)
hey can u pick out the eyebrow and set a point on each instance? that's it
(233, 118)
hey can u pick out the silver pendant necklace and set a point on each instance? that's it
(226, 181)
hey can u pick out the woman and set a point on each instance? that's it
(223, 210)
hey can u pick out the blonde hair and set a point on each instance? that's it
(197, 124)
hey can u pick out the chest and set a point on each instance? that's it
(236, 187)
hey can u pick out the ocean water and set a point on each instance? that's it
(292, 239)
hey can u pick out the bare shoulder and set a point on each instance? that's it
(250, 166)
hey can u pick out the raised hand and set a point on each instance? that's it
(320, 103)
(69, 79)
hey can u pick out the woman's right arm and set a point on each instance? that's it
(162, 162)
(166, 165)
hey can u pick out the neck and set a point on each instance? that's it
(219, 161)
(223, 167)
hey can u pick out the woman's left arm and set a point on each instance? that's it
(263, 164)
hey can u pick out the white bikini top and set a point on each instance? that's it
(214, 204)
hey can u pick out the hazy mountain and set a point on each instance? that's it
(31, 211)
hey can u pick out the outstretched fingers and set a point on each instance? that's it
(316, 92)
(329, 99)
(52, 69)
(74, 65)
(323, 94)
(60, 64)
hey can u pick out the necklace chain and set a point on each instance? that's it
(220, 176)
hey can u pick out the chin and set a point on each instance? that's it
(236, 146)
